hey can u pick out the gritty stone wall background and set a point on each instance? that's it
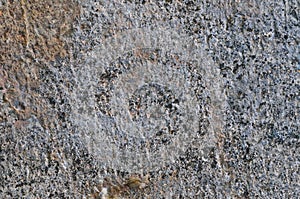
(202, 96)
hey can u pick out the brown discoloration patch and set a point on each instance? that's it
(20, 124)
(118, 187)
(47, 22)
(32, 34)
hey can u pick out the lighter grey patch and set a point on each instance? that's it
(145, 134)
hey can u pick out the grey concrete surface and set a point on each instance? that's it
(149, 99)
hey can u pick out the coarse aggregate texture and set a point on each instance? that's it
(198, 98)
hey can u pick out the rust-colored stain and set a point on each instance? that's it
(32, 34)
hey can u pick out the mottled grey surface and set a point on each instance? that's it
(203, 96)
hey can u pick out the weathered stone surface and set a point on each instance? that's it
(149, 99)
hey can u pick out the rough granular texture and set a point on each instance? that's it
(33, 36)
(149, 99)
